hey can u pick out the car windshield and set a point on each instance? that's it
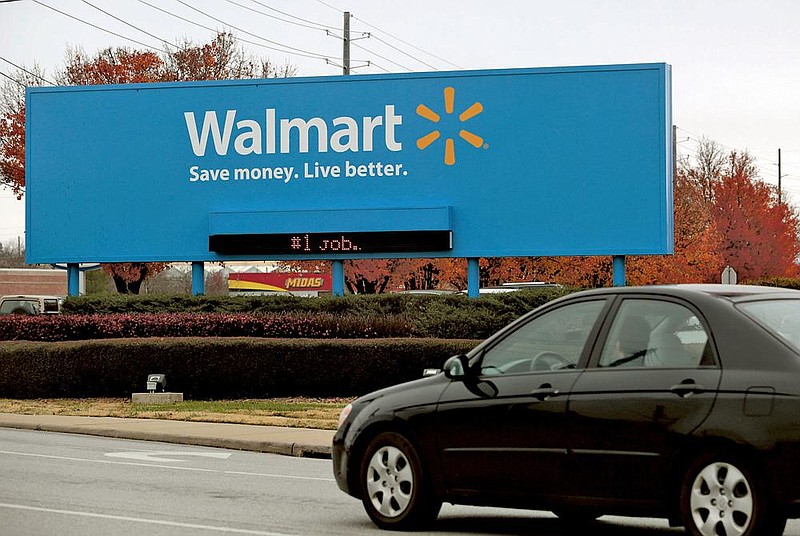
(779, 316)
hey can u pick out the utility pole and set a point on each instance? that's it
(346, 41)
(674, 151)
(337, 266)
(346, 44)
(779, 176)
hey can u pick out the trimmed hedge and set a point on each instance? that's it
(389, 315)
(244, 347)
(217, 368)
(146, 325)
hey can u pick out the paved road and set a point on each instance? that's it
(65, 484)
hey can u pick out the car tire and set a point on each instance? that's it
(396, 493)
(723, 496)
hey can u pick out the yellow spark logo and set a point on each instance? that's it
(449, 145)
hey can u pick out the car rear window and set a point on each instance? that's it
(781, 317)
(51, 305)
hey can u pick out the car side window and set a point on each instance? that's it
(655, 333)
(552, 341)
(25, 307)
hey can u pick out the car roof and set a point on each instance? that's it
(32, 297)
(729, 292)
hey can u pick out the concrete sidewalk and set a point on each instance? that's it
(274, 439)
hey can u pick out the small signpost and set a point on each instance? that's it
(729, 276)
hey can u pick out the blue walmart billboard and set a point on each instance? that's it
(520, 162)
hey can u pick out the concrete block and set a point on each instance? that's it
(156, 398)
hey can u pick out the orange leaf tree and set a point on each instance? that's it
(12, 151)
(12, 128)
(759, 234)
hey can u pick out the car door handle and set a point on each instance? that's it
(686, 388)
(544, 392)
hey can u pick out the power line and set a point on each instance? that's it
(127, 23)
(396, 38)
(300, 50)
(199, 25)
(373, 64)
(404, 52)
(330, 6)
(254, 10)
(98, 27)
(316, 24)
(4, 75)
(408, 44)
(382, 57)
(27, 71)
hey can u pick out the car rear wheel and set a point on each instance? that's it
(722, 496)
(396, 494)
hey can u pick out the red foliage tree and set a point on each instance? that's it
(12, 128)
(759, 235)
(12, 151)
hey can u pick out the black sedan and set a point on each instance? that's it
(680, 402)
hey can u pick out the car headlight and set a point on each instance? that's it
(344, 414)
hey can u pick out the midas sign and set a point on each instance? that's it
(304, 282)
(279, 282)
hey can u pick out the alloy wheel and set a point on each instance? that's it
(390, 481)
(721, 501)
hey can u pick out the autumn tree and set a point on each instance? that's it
(12, 128)
(724, 215)
(759, 234)
(221, 59)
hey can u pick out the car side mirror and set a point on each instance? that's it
(455, 368)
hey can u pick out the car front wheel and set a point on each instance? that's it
(396, 494)
(723, 497)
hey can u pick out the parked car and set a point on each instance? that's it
(513, 287)
(30, 305)
(680, 402)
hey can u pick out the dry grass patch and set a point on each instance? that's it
(290, 412)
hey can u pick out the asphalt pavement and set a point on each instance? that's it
(305, 442)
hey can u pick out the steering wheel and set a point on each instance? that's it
(549, 360)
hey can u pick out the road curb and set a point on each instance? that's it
(299, 442)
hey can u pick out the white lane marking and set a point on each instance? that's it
(160, 455)
(175, 467)
(230, 530)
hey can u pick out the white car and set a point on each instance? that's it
(30, 305)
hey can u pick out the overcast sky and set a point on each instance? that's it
(735, 67)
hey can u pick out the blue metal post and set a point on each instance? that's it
(198, 278)
(337, 275)
(73, 279)
(619, 270)
(473, 278)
